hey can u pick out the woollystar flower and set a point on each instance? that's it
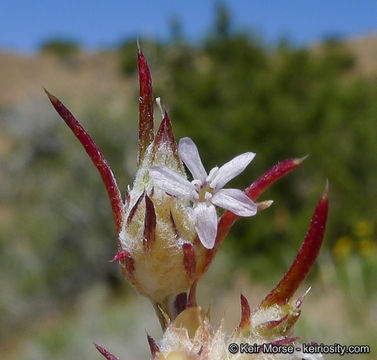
(206, 190)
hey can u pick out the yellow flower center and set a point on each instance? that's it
(205, 193)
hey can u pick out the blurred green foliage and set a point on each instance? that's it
(65, 49)
(56, 228)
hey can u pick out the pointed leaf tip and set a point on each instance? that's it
(50, 96)
(263, 205)
(325, 193)
(54, 101)
(165, 135)
(145, 106)
(305, 258)
(301, 298)
(153, 347)
(245, 314)
(271, 176)
(299, 161)
(105, 353)
(96, 156)
(120, 256)
(128, 264)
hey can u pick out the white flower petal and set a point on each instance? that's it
(235, 201)
(189, 154)
(212, 174)
(231, 169)
(171, 182)
(206, 223)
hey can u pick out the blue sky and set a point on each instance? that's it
(24, 24)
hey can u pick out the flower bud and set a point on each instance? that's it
(158, 230)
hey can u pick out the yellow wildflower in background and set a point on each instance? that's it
(343, 247)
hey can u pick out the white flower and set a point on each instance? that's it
(206, 191)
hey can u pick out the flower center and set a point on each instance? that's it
(205, 193)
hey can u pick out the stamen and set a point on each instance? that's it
(197, 183)
(207, 195)
(158, 101)
(195, 195)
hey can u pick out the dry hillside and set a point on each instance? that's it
(93, 76)
(365, 50)
(89, 75)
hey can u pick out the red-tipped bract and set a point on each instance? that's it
(245, 314)
(165, 136)
(153, 346)
(105, 353)
(96, 156)
(128, 264)
(304, 259)
(145, 106)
